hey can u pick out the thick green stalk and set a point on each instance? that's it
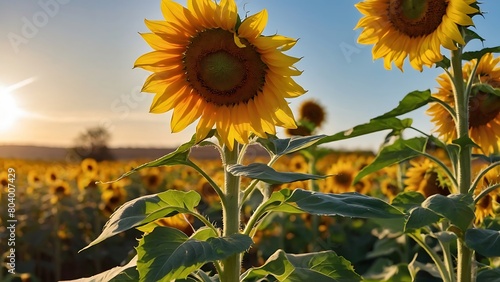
(464, 178)
(231, 214)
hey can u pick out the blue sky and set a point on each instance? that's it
(75, 58)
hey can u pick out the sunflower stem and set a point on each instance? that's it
(464, 175)
(231, 214)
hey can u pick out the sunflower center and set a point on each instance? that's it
(416, 18)
(483, 108)
(221, 72)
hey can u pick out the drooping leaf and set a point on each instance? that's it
(375, 125)
(177, 157)
(410, 102)
(146, 209)
(484, 241)
(421, 217)
(167, 254)
(454, 207)
(124, 273)
(346, 204)
(468, 56)
(285, 146)
(399, 151)
(267, 174)
(320, 266)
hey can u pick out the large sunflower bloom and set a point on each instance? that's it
(414, 29)
(484, 108)
(210, 65)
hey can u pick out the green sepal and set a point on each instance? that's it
(167, 254)
(267, 174)
(319, 266)
(146, 209)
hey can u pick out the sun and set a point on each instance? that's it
(9, 111)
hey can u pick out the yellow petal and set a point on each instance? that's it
(158, 43)
(164, 102)
(158, 59)
(253, 26)
(204, 11)
(278, 59)
(226, 14)
(186, 113)
(206, 123)
(267, 43)
(158, 82)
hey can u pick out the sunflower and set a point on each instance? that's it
(414, 29)
(426, 177)
(342, 175)
(312, 112)
(210, 65)
(484, 108)
(89, 167)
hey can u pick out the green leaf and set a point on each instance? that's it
(124, 273)
(374, 125)
(485, 88)
(146, 209)
(471, 35)
(445, 63)
(454, 207)
(167, 254)
(346, 204)
(468, 56)
(421, 217)
(267, 174)
(484, 241)
(289, 145)
(177, 157)
(410, 102)
(408, 200)
(395, 153)
(489, 275)
(320, 266)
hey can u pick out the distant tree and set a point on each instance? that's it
(92, 143)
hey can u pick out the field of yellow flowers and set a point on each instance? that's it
(60, 208)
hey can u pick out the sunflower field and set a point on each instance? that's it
(62, 208)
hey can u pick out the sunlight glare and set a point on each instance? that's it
(9, 111)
